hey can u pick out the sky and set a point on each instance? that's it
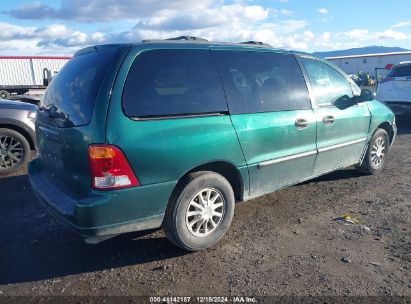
(61, 27)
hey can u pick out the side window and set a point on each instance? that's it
(262, 82)
(173, 82)
(329, 86)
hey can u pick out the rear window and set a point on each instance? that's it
(401, 71)
(71, 94)
(173, 83)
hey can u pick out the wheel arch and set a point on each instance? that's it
(228, 170)
(388, 128)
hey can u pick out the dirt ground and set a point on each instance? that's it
(287, 243)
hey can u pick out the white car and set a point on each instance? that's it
(395, 89)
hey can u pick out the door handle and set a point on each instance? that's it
(301, 123)
(328, 119)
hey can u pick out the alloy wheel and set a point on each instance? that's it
(205, 212)
(378, 151)
(11, 152)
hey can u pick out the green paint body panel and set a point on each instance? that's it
(380, 114)
(351, 124)
(165, 150)
(268, 136)
(161, 151)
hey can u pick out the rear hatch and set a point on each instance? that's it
(72, 115)
(396, 87)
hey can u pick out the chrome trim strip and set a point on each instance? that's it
(286, 158)
(178, 116)
(348, 143)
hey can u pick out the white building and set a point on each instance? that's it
(19, 74)
(369, 62)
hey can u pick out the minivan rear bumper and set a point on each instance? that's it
(103, 213)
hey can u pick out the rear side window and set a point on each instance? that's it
(262, 82)
(329, 86)
(401, 71)
(172, 83)
(72, 91)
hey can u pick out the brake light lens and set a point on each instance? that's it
(387, 79)
(110, 168)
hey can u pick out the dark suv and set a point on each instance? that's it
(173, 133)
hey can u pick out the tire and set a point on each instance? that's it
(12, 143)
(376, 154)
(4, 94)
(189, 231)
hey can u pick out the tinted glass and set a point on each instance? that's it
(173, 82)
(401, 71)
(329, 86)
(71, 94)
(262, 82)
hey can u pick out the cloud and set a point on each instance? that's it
(323, 11)
(103, 10)
(358, 34)
(215, 20)
(10, 31)
(286, 12)
(53, 31)
(206, 18)
(293, 34)
(55, 38)
(392, 35)
(238, 30)
(402, 24)
(357, 38)
(35, 10)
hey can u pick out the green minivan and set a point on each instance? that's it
(172, 133)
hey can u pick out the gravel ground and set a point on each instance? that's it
(285, 243)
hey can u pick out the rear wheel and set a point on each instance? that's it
(200, 211)
(14, 151)
(376, 154)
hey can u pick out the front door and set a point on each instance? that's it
(271, 112)
(342, 126)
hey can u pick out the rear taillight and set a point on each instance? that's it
(387, 79)
(110, 168)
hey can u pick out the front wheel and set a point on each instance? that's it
(200, 211)
(376, 154)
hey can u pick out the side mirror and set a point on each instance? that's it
(366, 95)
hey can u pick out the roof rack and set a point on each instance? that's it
(186, 38)
(258, 43)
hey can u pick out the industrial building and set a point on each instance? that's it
(367, 64)
(19, 74)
